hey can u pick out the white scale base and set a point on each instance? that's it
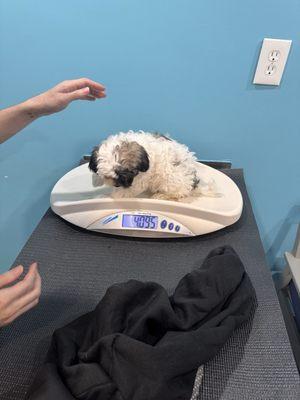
(75, 199)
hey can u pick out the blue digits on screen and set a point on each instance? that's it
(137, 221)
(152, 222)
(144, 221)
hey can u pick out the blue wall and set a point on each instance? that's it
(183, 67)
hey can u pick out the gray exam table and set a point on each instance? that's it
(77, 267)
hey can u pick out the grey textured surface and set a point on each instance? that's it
(77, 267)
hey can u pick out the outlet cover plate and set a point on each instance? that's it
(271, 62)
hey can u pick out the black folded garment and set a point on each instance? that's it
(140, 344)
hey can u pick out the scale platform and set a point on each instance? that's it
(77, 200)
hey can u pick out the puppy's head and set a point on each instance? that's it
(117, 164)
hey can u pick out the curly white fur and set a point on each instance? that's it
(172, 172)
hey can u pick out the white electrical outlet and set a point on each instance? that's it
(271, 62)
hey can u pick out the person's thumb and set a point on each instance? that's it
(79, 94)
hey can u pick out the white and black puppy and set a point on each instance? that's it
(138, 162)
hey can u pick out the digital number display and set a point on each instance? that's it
(139, 221)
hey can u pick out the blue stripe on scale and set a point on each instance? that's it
(109, 219)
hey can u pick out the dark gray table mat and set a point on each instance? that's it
(77, 267)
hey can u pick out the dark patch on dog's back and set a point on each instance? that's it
(196, 181)
(176, 163)
(158, 135)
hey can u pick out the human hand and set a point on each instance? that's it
(59, 97)
(20, 297)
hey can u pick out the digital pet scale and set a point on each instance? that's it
(77, 200)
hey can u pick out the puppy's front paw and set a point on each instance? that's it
(164, 196)
(123, 193)
(118, 194)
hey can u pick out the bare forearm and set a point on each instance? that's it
(15, 118)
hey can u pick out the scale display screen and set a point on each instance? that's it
(139, 221)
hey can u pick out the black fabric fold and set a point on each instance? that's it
(141, 344)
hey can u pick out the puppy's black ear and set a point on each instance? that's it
(143, 164)
(93, 165)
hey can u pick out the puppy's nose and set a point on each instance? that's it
(116, 183)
